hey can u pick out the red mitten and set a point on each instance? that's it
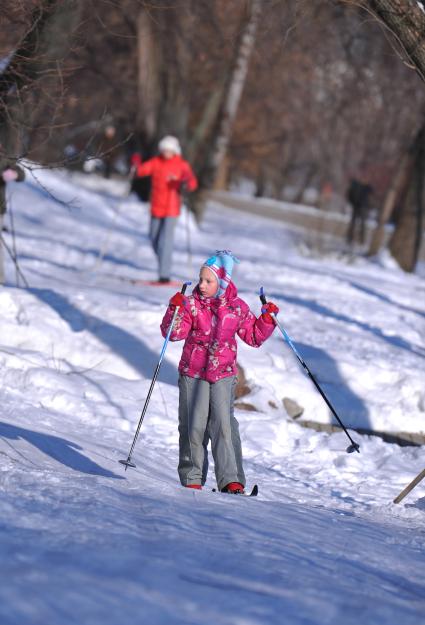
(178, 300)
(135, 160)
(173, 182)
(267, 311)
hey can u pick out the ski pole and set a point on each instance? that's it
(410, 487)
(128, 463)
(353, 446)
(189, 245)
(184, 197)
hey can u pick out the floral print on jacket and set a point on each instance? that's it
(209, 327)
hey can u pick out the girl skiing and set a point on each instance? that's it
(209, 320)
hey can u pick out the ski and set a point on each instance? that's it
(253, 493)
(410, 487)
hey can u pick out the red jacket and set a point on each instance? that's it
(168, 176)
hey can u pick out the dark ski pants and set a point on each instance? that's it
(206, 412)
(357, 228)
(161, 235)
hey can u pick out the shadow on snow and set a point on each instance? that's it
(124, 344)
(60, 449)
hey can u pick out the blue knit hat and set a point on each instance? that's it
(221, 264)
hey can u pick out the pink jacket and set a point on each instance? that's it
(209, 326)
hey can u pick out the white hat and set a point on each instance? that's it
(170, 144)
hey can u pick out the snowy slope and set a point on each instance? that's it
(84, 542)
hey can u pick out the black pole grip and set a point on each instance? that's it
(184, 287)
(262, 296)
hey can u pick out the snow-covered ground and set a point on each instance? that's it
(84, 542)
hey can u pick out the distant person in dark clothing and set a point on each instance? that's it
(140, 186)
(9, 172)
(141, 148)
(358, 195)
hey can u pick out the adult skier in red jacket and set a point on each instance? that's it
(169, 173)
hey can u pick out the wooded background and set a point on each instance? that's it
(287, 94)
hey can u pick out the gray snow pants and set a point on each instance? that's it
(206, 412)
(161, 234)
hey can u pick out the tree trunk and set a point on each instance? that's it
(391, 198)
(222, 174)
(205, 125)
(420, 172)
(407, 237)
(260, 180)
(175, 78)
(148, 62)
(164, 63)
(312, 170)
(406, 20)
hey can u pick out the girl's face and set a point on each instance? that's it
(208, 285)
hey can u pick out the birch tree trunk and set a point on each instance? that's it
(233, 94)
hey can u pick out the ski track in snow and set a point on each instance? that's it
(84, 542)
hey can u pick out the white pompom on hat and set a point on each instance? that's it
(169, 143)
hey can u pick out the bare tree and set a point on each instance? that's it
(320, 104)
(33, 79)
(317, 104)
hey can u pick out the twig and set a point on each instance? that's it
(15, 260)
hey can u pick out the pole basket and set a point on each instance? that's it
(127, 463)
